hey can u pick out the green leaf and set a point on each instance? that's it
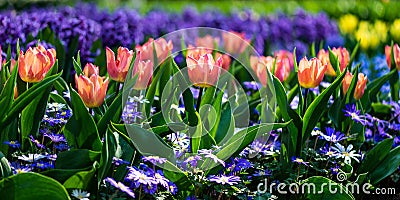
(200, 138)
(318, 187)
(334, 61)
(28, 96)
(217, 105)
(77, 64)
(375, 156)
(314, 111)
(81, 130)
(289, 138)
(113, 114)
(177, 176)
(5, 169)
(108, 152)
(295, 60)
(81, 180)
(389, 165)
(26, 186)
(61, 175)
(148, 143)
(353, 54)
(7, 94)
(82, 158)
(374, 86)
(241, 139)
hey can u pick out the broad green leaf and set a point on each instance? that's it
(7, 94)
(82, 180)
(318, 187)
(375, 156)
(314, 111)
(290, 138)
(148, 143)
(27, 186)
(177, 176)
(389, 165)
(241, 139)
(61, 175)
(27, 97)
(82, 158)
(81, 130)
(113, 113)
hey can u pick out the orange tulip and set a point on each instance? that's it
(346, 82)
(162, 48)
(323, 56)
(311, 72)
(234, 42)
(144, 71)
(35, 63)
(91, 87)
(360, 87)
(207, 41)
(203, 70)
(118, 68)
(396, 51)
(260, 66)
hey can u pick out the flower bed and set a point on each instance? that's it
(254, 107)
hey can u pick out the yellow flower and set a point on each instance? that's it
(381, 30)
(395, 30)
(368, 36)
(348, 23)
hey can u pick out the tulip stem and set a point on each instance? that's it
(199, 99)
(305, 101)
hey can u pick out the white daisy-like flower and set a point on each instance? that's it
(31, 157)
(346, 153)
(80, 194)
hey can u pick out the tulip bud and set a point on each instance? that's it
(35, 63)
(396, 52)
(234, 42)
(203, 71)
(118, 68)
(346, 82)
(310, 73)
(91, 87)
(144, 70)
(360, 87)
(343, 57)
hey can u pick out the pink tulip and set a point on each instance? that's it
(234, 42)
(35, 63)
(203, 70)
(118, 68)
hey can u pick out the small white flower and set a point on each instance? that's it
(80, 194)
(31, 157)
(346, 153)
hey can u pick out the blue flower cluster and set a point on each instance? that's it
(128, 28)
